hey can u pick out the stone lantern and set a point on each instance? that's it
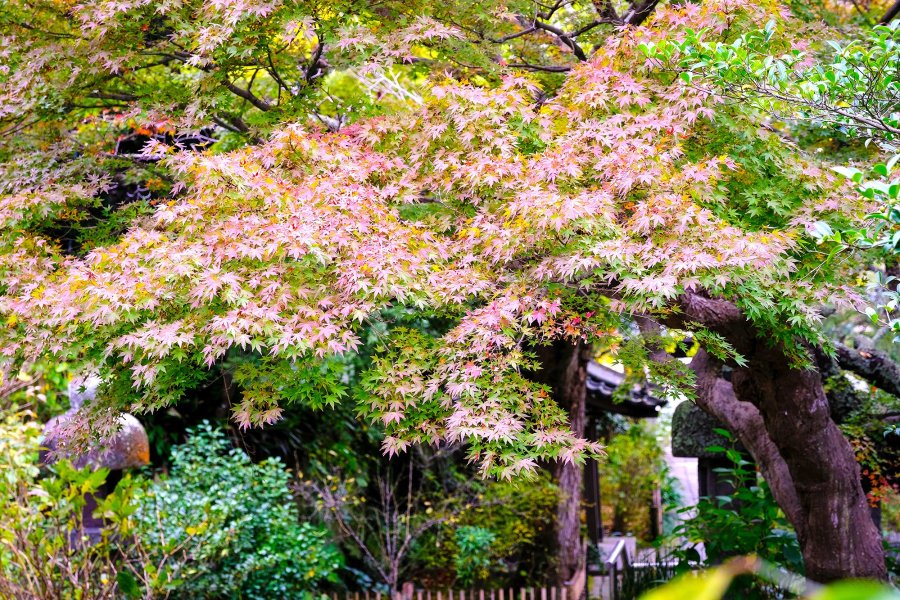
(128, 448)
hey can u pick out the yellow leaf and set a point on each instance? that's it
(709, 585)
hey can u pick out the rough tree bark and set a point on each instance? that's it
(781, 414)
(873, 365)
(716, 396)
(564, 370)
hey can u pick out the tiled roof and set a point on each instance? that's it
(602, 382)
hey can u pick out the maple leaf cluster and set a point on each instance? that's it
(491, 205)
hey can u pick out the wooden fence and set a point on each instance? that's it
(543, 593)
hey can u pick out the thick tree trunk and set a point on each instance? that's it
(716, 396)
(782, 416)
(565, 372)
(836, 532)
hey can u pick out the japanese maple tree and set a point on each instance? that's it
(537, 213)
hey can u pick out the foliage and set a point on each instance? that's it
(854, 87)
(714, 583)
(890, 511)
(633, 469)
(45, 549)
(472, 561)
(219, 527)
(41, 389)
(183, 181)
(872, 437)
(379, 517)
(398, 520)
(519, 516)
(227, 527)
(554, 226)
(748, 521)
(875, 468)
(881, 186)
(847, 86)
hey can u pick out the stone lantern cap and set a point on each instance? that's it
(129, 447)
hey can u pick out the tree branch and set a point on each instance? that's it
(640, 12)
(277, 76)
(891, 13)
(311, 71)
(874, 366)
(719, 315)
(511, 36)
(548, 69)
(113, 96)
(232, 127)
(606, 10)
(248, 96)
(563, 37)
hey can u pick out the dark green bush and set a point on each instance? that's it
(473, 559)
(228, 528)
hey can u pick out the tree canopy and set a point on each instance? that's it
(521, 215)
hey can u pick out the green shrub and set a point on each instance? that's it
(218, 527)
(633, 469)
(519, 515)
(747, 522)
(44, 549)
(473, 559)
(224, 527)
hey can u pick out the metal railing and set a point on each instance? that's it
(617, 564)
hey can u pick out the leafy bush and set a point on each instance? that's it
(747, 522)
(45, 551)
(634, 468)
(224, 527)
(518, 515)
(890, 512)
(473, 558)
(218, 527)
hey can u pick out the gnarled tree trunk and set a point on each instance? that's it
(836, 532)
(781, 415)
